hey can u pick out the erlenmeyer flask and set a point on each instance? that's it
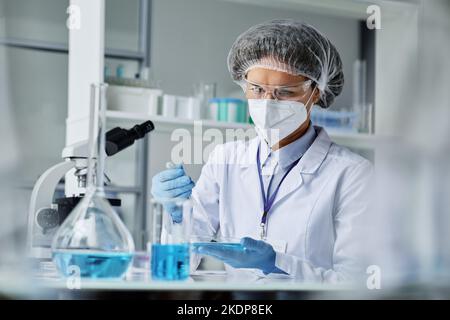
(93, 242)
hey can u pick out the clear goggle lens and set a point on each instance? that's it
(289, 92)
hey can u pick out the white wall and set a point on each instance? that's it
(37, 20)
(191, 40)
(7, 129)
(45, 20)
(38, 83)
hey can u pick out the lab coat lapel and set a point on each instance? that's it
(249, 176)
(292, 182)
(308, 164)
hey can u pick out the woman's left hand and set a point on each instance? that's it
(256, 254)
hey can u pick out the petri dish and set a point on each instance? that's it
(218, 243)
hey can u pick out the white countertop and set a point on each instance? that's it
(139, 280)
(201, 281)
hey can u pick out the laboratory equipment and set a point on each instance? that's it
(93, 242)
(119, 139)
(170, 246)
(213, 106)
(189, 108)
(359, 83)
(345, 121)
(134, 99)
(363, 109)
(235, 246)
(181, 107)
(219, 241)
(133, 82)
(204, 92)
(141, 261)
(106, 71)
(120, 71)
(169, 106)
(228, 109)
(46, 214)
(366, 118)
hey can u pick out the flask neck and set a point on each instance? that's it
(97, 131)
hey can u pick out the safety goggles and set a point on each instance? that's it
(289, 92)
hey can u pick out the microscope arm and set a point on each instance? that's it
(42, 195)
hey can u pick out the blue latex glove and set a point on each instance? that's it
(172, 183)
(255, 255)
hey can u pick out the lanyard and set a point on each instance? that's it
(269, 200)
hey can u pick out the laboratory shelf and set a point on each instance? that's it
(63, 48)
(346, 138)
(354, 139)
(172, 123)
(343, 8)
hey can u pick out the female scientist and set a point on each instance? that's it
(293, 197)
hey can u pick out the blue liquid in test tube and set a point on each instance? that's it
(170, 261)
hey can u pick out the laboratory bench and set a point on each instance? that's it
(201, 285)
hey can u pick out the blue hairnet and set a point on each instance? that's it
(293, 47)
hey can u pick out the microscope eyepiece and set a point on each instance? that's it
(142, 129)
(118, 139)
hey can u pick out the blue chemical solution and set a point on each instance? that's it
(170, 261)
(219, 245)
(92, 264)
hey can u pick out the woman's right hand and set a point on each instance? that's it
(172, 183)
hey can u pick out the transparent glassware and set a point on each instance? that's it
(93, 242)
(217, 242)
(204, 92)
(170, 239)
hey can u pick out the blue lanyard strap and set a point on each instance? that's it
(268, 201)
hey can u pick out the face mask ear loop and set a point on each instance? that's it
(309, 99)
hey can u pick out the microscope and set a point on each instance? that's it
(46, 214)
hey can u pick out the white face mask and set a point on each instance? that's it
(276, 119)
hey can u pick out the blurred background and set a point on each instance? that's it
(394, 110)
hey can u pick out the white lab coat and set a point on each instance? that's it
(317, 211)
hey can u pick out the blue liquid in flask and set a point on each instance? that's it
(170, 261)
(92, 264)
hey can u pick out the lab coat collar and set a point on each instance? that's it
(287, 155)
(311, 160)
(315, 155)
